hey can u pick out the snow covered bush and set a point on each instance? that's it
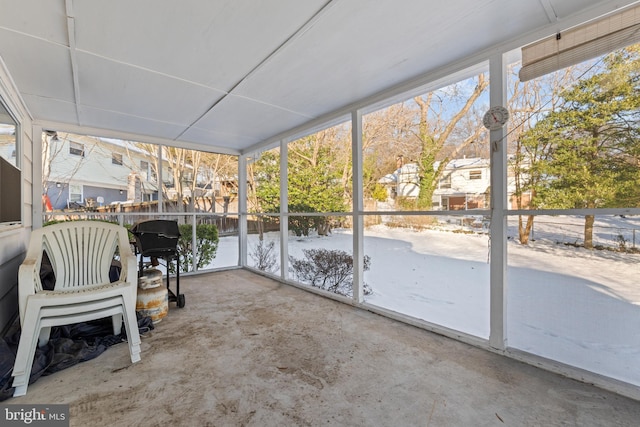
(331, 270)
(264, 256)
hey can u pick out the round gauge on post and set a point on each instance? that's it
(495, 118)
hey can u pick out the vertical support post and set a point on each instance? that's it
(284, 210)
(498, 251)
(160, 180)
(358, 207)
(36, 179)
(242, 210)
(194, 249)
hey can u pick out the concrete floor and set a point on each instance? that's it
(249, 351)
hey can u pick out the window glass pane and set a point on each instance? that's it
(116, 159)
(263, 176)
(228, 251)
(475, 174)
(7, 136)
(211, 250)
(113, 172)
(11, 176)
(263, 243)
(144, 169)
(431, 268)
(319, 167)
(427, 153)
(575, 305)
(574, 140)
(76, 149)
(322, 262)
(75, 193)
(430, 152)
(573, 144)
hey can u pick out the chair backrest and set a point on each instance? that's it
(81, 252)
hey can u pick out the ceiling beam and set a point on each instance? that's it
(548, 8)
(71, 33)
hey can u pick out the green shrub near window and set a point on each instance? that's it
(206, 246)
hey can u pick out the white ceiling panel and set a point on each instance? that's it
(232, 74)
(341, 53)
(114, 86)
(259, 118)
(46, 20)
(214, 43)
(38, 67)
(100, 119)
(216, 138)
(53, 109)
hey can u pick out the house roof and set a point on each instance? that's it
(471, 162)
(234, 75)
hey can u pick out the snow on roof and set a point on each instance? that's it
(390, 178)
(468, 163)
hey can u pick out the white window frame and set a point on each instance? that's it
(117, 159)
(72, 192)
(76, 149)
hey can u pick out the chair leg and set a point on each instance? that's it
(43, 337)
(131, 326)
(26, 351)
(116, 320)
(177, 275)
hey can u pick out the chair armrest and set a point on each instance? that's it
(28, 281)
(129, 272)
(29, 271)
(129, 262)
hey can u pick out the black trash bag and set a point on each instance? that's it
(47, 276)
(68, 352)
(114, 271)
(8, 349)
(7, 359)
(145, 324)
(68, 345)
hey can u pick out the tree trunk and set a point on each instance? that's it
(524, 232)
(588, 231)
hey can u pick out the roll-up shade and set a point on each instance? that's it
(578, 44)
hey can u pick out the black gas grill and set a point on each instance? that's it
(158, 239)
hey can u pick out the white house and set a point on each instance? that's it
(464, 184)
(83, 170)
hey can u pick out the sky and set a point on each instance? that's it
(577, 306)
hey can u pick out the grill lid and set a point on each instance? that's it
(156, 238)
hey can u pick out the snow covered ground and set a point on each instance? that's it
(580, 307)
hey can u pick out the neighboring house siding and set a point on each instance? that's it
(83, 167)
(464, 184)
(13, 239)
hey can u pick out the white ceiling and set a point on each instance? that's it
(229, 75)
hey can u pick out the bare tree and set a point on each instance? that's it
(528, 101)
(434, 130)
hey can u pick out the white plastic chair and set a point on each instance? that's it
(81, 254)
